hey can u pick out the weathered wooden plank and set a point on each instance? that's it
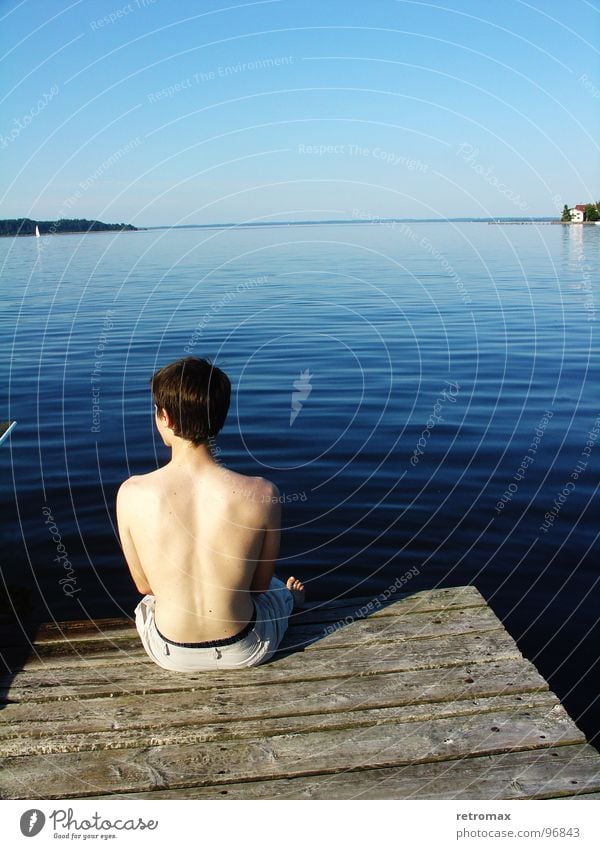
(124, 641)
(427, 601)
(76, 682)
(538, 774)
(128, 718)
(34, 632)
(577, 797)
(137, 770)
(395, 629)
(313, 637)
(502, 677)
(132, 737)
(318, 612)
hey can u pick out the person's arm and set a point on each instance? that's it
(127, 544)
(265, 566)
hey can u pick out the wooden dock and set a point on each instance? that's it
(6, 429)
(427, 697)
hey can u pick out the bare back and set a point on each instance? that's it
(200, 538)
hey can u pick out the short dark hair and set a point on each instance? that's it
(196, 396)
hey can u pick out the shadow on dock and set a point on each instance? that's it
(18, 631)
(311, 624)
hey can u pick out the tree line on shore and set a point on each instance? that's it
(26, 226)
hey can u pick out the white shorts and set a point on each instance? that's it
(272, 609)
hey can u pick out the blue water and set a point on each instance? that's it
(490, 329)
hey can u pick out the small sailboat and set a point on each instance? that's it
(37, 232)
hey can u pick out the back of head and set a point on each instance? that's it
(196, 396)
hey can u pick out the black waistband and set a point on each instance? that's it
(213, 644)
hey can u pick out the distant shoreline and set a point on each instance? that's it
(553, 221)
(249, 224)
(94, 227)
(11, 227)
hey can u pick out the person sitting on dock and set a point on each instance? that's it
(200, 540)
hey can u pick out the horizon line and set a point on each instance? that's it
(373, 220)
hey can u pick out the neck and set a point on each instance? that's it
(183, 453)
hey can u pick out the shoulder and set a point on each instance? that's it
(135, 487)
(130, 485)
(268, 495)
(270, 489)
(125, 494)
(257, 493)
(266, 491)
(248, 487)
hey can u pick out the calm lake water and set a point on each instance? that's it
(424, 395)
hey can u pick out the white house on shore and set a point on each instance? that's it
(577, 214)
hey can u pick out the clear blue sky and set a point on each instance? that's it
(193, 112)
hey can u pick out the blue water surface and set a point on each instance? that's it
(444, 379)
